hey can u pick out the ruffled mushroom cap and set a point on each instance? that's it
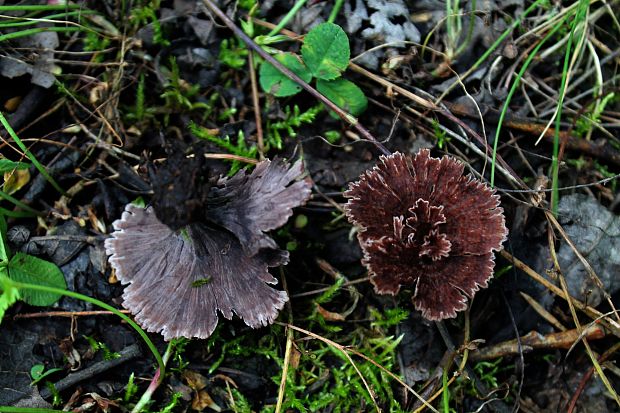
(250, 205)
(179, 280)
(425, 225)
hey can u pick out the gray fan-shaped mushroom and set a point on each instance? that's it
(179, 280)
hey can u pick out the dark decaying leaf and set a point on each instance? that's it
(179, 280)
(250, 205)
(424, 225)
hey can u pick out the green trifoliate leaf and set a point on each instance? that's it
(24, 268)
(326, 51)
(275, 82)
(343, 93)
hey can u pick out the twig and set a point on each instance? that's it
(535, 340)
(230, 157)
(126, 354)
(257, 115)
(542, 312)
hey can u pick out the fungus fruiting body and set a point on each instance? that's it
(180, 278)
(423, 225)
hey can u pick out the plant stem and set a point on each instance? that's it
(155, 382)
(288, 73)
(255, 102)
(29, 154)
(555, 164)
(335, 10)
(292, 12)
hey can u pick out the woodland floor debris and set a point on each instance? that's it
(150, 102)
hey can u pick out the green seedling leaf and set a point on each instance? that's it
(32, 270)
(10, 294)
(274, 82)
(345, 94)
(326, 51)
(38, 373)
(7, 165)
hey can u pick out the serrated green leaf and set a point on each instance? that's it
(10, 294)
(345, 94)
(274, 82)
(7, 165)
(326, 51)
(32, 270)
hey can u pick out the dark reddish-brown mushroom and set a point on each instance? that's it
(422, 224)
(179, 279)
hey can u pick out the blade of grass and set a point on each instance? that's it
(11, 409)
(49, 7)
(593, 358)
(30, 156)
(470, 29)
(490, 50)
(513, 89)
(22, 21)
(16, 214)
(580, 17)
(292, 12)
(18, 204)
(29, 32)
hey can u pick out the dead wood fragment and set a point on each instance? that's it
(535, 340)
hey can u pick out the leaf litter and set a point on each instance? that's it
(123, 147)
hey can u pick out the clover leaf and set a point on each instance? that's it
(274, 82)
(343, 93)
(326, 51)
(324, 56)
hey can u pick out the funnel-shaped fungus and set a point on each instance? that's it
(422, 224)
(180, 279)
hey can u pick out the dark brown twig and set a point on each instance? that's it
(126, 354)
